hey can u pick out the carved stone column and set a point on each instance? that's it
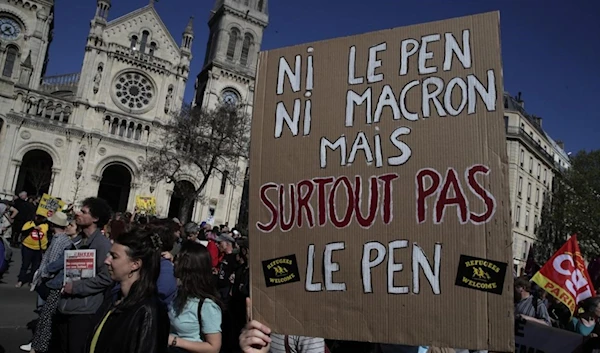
(17, 167)
(55, 172)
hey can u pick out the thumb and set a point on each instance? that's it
(248, 309)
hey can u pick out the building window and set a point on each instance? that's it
(152, 48)
(9, 63)
(520, 188)
(526, 220)
(545, 175)
(233, 39)
(134, 40)
(528, 192)
(246, 49)
(539, 171)
(535, 223)
(530, 165)
(537, 197)
(145, 35)
(261, 4)
(525, 248)
(224, 182)
(522, 158)
(518, 216)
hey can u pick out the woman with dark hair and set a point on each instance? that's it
(166, 285)
(133, 319)
(585, 320)
(195, 313)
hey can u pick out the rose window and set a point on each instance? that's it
(134, 91)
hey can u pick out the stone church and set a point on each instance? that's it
(87, 133)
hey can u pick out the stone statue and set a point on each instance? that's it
(97, 79)
(81, 160)
(168, 99)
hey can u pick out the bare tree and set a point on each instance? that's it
(40, 177)
(77, 188)
(202, 143)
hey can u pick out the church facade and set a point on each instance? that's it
(89, 133)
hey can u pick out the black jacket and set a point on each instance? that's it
(143, 328)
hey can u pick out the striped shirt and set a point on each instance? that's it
(525, 307)
(297, 344)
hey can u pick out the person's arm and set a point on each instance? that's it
(57, 265)
(255, 338)
(214, 253)
(14, 213)
(533, 319)
(211, 345)
(166, 283)
(210, 327)
(147, 332)
(542, 313)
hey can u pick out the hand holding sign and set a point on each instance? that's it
(255, 336)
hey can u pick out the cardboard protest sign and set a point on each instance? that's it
(565, 276)
(379, 188)
(145, 204)
(538, 338)
(49, 205)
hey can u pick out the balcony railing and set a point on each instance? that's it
(516, 131)
(66, 82)
(127, 52)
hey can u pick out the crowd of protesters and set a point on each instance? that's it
(164, 286)
(534, 304)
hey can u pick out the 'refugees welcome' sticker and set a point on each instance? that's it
(281, 270)
(481, 274)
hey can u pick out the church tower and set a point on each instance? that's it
(228, 76)
(229, 70)
(25, 36)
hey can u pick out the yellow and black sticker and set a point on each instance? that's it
(481, 274)
(281, 270)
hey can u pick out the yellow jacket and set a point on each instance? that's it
(36, 237)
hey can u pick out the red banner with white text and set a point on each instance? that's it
(565, 276)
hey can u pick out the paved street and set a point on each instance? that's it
(16, 309)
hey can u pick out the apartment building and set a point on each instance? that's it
(534, 160)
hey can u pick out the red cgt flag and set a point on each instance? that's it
(565, 276)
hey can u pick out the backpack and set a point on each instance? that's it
(5, 255)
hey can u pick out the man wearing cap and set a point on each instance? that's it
(226, 266)
(48, 280)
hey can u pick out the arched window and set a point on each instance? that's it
(233, 39)
(246, 49)
(261, 4)
(9, 63)
(134, 40)
(145, 35)
(224, 182)
(152, 48)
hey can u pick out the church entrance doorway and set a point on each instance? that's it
(115, 187)
(35, 174)
(183, 201)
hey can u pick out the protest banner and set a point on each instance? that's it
(565, 276)
(538, 338)
(79, 264)
(49, 205)
(379, 188)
